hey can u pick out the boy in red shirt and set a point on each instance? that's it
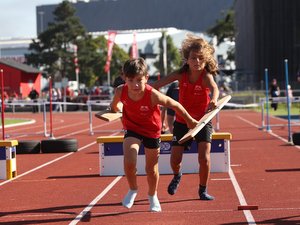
(142, 124)
(196, 84)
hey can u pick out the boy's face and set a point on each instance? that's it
(137, 83)
(195, 61)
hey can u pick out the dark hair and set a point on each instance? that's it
(133, 67)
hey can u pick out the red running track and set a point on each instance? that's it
(60, 188)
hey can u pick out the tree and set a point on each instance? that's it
(224, 29)
(53, 50)
(173, 56)
(119, 56)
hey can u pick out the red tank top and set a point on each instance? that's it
(194, 97)
(139, 116)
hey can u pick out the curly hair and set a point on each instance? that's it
(203, 48)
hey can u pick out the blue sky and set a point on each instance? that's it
(18, 18)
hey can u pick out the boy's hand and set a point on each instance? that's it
(193, 123)
(212, 105)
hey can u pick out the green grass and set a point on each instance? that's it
(282, 109)
(9, 121)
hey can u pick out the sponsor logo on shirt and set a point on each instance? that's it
(144, 108)
(197, 90)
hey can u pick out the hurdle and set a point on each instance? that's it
(288, 100)
(90, 103)
(111, 155)
(263, 101)
(8, 162)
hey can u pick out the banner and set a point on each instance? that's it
(134, 49)
(110, 45)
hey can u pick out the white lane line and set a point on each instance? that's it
(241, 197)
(46, 164)
(237, 188)
(220, 179)
(57, 159)
(271, 133)
(94, 202)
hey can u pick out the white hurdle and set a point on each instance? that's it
(266, 124)
(111, 155)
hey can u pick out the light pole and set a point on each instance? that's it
(41, 13)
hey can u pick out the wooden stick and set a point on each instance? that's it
(108, 116)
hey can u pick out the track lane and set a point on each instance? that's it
(76, 177)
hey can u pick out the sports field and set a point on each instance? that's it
(66, 188)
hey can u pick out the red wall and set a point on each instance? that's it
(19, 81)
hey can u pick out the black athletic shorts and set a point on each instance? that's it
(181, 129)
(147, 142)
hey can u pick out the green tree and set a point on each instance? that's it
(173, 56)
(224, 29)
(53, 50)
(119, 56)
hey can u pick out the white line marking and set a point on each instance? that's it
(45, 164)
(271, 133)
(91, 205)
(48, 163)
(237, 188)
(221, 179)
(241, 197)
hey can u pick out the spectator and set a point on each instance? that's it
(172, 92)
(34, 95)
(119, 80)
(275, 92)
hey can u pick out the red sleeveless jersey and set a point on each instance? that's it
(139, 116)
(194, 97)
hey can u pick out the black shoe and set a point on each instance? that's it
(172, 188)
(203, 194)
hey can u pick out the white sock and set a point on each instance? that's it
(154, 203)
(129, 199)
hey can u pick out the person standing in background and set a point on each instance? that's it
(34, 95)
(172, 92)
(274, 92)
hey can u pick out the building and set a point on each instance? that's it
(14, 49)
(104, 15)
(19, 78)
(268, 32)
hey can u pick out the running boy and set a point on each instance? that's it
(196, 83)
(142, 124)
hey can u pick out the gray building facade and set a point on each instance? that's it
(268, 32)
(104, 15)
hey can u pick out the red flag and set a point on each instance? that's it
(134, 49)
(110, 45)
(75, 56)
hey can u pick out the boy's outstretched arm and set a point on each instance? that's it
(115, 104)
(166, 80)
(161, 99)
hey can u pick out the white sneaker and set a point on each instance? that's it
(129, 199)
(154, 203)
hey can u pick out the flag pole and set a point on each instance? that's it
(2, 105)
